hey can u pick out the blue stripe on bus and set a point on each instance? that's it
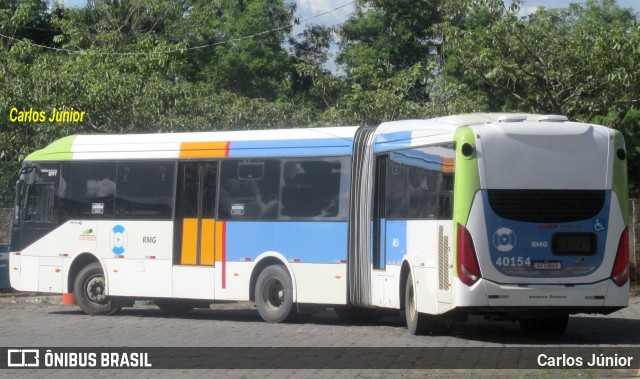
(303, 147)
(310, 242)
(392, 141)
(396, 241)
(417, 158)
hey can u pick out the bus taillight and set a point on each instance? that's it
(467, 262)
(620, 272)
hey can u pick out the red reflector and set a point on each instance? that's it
(247, 259)
(296, 260)
(17, 253)
(620, 272)
(120, 256)
(467, 263)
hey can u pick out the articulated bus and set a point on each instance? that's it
(512, 216)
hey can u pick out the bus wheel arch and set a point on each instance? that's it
(89, 288)
(78, 264)
(272, 290)
(262, 262)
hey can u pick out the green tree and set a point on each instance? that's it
(385, 54)
(582, 61)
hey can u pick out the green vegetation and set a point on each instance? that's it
(188, 65)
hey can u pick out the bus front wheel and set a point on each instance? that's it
(274, 295)
(90, 291)
(417, 323)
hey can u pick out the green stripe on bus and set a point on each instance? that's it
(59, 150)
(467, 183)
(620, 179)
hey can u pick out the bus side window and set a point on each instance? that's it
(311, 188)
(396, 195)
(87, 190)
(249, 189)
(420, 183)
(144, 190)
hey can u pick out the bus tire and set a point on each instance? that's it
(417, 323)
(274, 295)
(89, 289)
(553, 325)
(174, 307)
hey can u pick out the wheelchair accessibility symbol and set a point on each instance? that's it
(118, 239)
(599, 226)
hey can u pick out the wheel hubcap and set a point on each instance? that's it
(274, 294)
(95, 289)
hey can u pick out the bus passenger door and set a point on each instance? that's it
(194, 231)
(387, 241)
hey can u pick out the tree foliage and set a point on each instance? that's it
(580, 61)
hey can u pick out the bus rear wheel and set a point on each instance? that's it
(274, 295)
(90, 291)
(417, 323)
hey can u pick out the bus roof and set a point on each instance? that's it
(274, 142)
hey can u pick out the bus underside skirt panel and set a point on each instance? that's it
(359, 272)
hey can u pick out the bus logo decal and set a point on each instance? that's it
(118, 239)
(504, 239)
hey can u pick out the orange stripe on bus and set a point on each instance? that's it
(204, 149)
(447, 165)
(207, 242)
(189, 241)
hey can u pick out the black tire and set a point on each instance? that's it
(550, 325)
(274, 295)
(175, 307)
(417, 323)
(89, 289)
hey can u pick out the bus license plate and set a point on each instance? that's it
(552, 265)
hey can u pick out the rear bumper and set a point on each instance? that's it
(601, 297)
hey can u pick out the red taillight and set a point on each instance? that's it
(468, 268)
(620, 272)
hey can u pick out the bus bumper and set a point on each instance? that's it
(14, 270)
(578, 298)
